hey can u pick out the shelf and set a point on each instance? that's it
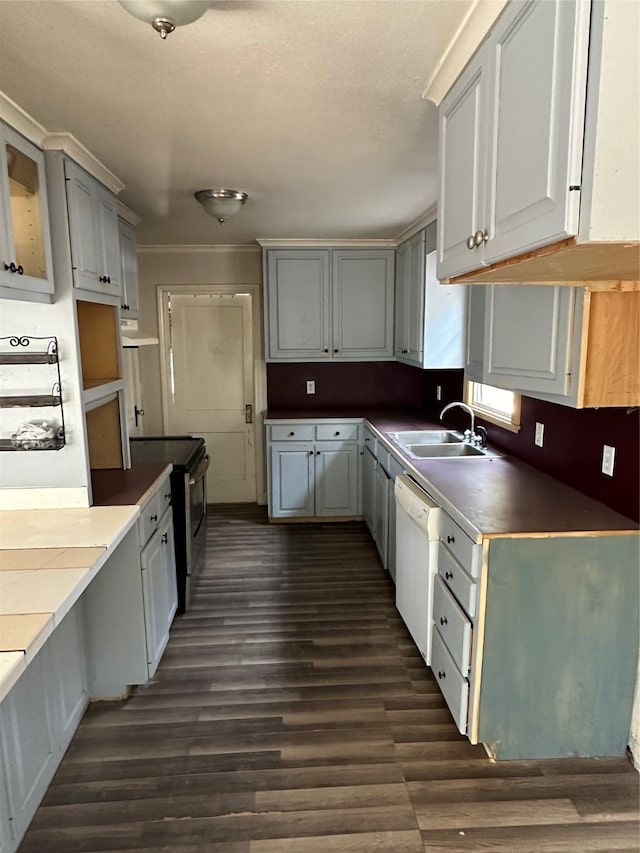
(30, 400)
(97, 392)
(55, 444)
(29, 358)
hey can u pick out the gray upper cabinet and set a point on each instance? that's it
(128, 270)
(25, 240)
(430, 317)
(511, 138)
(93, 231)
(329, 304)
(474, 363)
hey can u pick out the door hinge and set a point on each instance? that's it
(574, 187)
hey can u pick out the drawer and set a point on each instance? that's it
(370, 440)
(292, 432)
(464, 549)
(463, 587)
(454, 687)
(337, 432)
(150, 514)
(453, 625)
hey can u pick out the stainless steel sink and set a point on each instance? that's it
(426, 436)
(445, 451)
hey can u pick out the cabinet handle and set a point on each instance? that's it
(442, 673)
(167, 496)
(337, 432)
(317, 453)
(335, 349)
(471, 243)
(13, 268)
(153, 518)
(451, 539)
(291, 434)
(443, 620)
(102, 279)
(480, 237)
(165, 538)
(448, 575)
(311, 453)
(326, 349)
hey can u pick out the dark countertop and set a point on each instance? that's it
(494, 495)
(117, 487)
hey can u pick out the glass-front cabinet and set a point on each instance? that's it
(25, 242)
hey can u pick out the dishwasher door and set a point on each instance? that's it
(417, 533)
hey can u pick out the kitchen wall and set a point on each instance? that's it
(573, 439)
(189, 265)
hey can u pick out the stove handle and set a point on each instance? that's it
(200, 471)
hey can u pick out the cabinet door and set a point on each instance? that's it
(107, 219)
(382, 513)
(395, 468)
(539, 56)
(528, 344)
(400, 347)
(336, 478)
(298, 305)
(128, 270)
(369, 490)
(476, 303)
(291, 469)
(462, 158)
(362, 287)
(69, 675)
(83, 227)
(415, 300)
(159, 590)
(25, 241)
(27, 741)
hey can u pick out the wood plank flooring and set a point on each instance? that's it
(291, 713)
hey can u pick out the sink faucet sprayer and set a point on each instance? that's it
(470, 435)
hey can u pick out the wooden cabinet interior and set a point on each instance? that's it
(98, 337)
(104, 436)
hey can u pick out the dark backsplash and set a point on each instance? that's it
(573, 438)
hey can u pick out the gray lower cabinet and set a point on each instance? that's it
(524, 648)
(37, 721)
(379, 470)
(329, 304)
(369, 489)
(313, 469)
(159, 589)
(383, 490)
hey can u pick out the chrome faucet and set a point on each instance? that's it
(470, 435)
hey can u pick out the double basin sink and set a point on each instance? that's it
(439, 444)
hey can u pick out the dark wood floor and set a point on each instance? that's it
(291, 713)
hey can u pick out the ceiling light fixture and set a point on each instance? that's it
(221, 203)
(165, 15)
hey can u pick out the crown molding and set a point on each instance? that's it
(128, 215)
(418, 224)
(67, 143)
(198, 249)
(21, 121)
(466, 40)
(299, 243)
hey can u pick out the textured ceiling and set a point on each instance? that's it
(313, 107)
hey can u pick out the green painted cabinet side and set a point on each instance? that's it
(560, 646)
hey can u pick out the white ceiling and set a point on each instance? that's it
(313, 107)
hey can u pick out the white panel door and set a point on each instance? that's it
(336, 478)
(528, 344)
(159, 590)
(539, 53)
(211, 375)
(462, 161)
(362, 297)
(292, 480)
(69, 674)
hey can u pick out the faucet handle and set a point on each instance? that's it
(468, 436)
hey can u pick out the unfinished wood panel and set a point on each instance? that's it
(99, 337)
(615, 266)
(104, 436)
(612, 376)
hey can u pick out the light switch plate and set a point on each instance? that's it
(539, 439)
(311, 386)
(608, 459)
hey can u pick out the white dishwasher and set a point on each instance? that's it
(417, 532)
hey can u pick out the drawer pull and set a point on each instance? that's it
(311, 453)
(451, 539)
(291, 434)
(448, 575)
(442, 673)
(337, 432)
(317, 453)
(153, 518)
(165, 538)
(167, 496)
(443, 620)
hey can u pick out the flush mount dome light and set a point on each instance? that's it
(221, 203)
(165, 15)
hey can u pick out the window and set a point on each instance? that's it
(495, 405)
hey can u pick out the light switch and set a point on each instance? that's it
(539, 439)
(608, 458)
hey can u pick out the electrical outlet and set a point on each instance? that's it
(311, 386)
(438, 392)
(608, 457)
(539, 434)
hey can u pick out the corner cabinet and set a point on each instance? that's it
(329, 304)
(25, 240)
(568, 345)
(313, 469)
(429, 317)
(93, 232)
(511, 138)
